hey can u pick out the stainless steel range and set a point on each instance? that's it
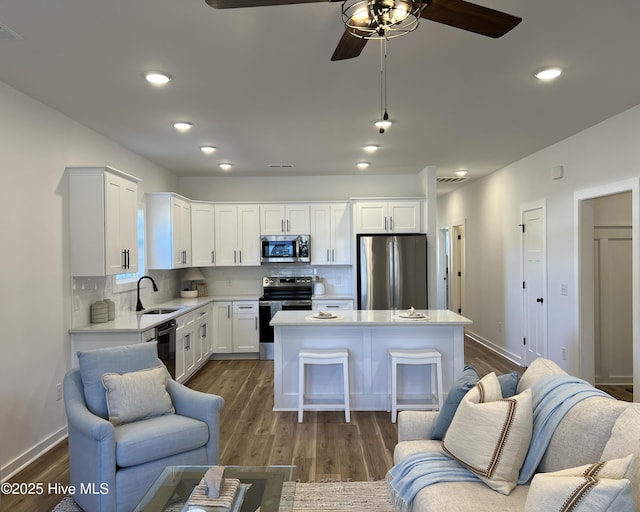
(281, 293)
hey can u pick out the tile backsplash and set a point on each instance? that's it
(220, 281)
(87, 290)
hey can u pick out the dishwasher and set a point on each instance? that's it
(165, 336)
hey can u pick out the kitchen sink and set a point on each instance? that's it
(159, 311)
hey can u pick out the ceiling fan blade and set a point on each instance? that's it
(235, 4)
(470, 17)
(349, 46)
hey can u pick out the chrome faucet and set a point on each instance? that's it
(139, 306)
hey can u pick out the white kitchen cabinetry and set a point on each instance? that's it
(330, 234)
(103, 221)
(235, 327)
(331, 305)
(284, 219)
(202, 335)
(237, 235)
(185, 346)
(222, 332)
(168, 231)
(393, 216)
(202, 234)
(245, 327)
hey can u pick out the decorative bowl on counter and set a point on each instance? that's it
(189, 294)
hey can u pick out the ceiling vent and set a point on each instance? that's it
(281, 166)
(451, 179)
(6, 34)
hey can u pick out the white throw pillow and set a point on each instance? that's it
(593, 487)
(490, 435)
(137, 395)
(537, 370)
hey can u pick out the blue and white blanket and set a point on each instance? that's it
(552, 398)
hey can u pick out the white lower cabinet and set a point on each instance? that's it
(185, 360)
(331, 305)
(245, 327)
(203, 338)
(235, 327)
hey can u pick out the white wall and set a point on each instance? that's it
(36, 144)
(298, 188)
(605, 153)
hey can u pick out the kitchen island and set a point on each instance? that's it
(368, 336)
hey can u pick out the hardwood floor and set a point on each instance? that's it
(323, 448)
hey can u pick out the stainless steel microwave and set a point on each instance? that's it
(285, 249)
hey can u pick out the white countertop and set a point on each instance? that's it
(332, 296)
(369, 318)
(132, 321)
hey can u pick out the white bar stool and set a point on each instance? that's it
(323, 357)
(430, 358)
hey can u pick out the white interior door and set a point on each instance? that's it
(613, 306)
(534, 283)
(457, 275)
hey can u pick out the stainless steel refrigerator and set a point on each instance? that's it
(392, 271)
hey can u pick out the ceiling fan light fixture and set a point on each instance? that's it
(547, 74)
(381, 19)
(383, 124)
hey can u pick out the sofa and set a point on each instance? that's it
(594, 429)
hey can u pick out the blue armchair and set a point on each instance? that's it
(112, 466)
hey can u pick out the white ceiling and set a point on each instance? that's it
(259, 85)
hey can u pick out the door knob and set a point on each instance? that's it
(540, 300)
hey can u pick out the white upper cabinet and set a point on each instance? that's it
(330, 234)
(169, 231)
(202, 234)
(392, 216)
(284, 219)
(103, 221)
(237, 235)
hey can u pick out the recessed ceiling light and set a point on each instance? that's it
(462, 172)
(207, 150)
(362, 165)
(384, 124)
(548, 73)
(158, 78)
(371, 148)
(225, 167)
(182, 126)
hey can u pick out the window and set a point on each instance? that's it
(127, 282)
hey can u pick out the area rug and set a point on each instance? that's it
(316, 497)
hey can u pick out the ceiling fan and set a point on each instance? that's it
(455, 13)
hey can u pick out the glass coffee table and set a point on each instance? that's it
(272, 488)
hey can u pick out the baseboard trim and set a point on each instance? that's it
(493, 347)
(19, 463)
